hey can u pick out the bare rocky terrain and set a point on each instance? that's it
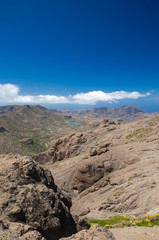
(135, 233)
(113, 170)
(110, 170)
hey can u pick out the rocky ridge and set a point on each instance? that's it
(62, 148)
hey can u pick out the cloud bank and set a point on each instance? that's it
(9, 93)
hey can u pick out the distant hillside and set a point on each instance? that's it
(31, 129)
(125, 113)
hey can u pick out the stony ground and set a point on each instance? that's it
(136, 233)
(96, 232)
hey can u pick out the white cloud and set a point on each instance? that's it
(9, 93)
(41, 99)
(96, 96)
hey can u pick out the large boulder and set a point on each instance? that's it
(31, 204)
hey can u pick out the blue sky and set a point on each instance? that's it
(61, 49)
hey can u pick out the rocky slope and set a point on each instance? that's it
(114, 171)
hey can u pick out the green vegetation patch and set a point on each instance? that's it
(122, 221)
(108, 222)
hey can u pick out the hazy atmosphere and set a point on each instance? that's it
(80, 54)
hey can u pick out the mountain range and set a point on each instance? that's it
(122, 114)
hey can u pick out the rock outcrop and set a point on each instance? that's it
(31, 205)
(63, 148)
(96, 232)
(107, 122)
